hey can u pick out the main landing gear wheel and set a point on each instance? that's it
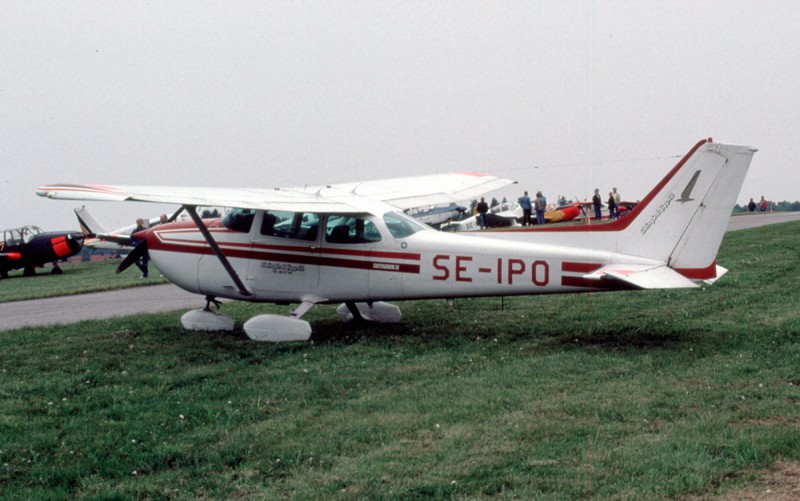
(207, 320)
(380, 312)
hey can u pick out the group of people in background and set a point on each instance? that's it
(537, 207)
(538, 204)
(613, 204)
(762, 205)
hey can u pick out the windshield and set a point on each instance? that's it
(402, 226)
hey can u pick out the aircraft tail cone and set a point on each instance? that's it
(133, 256)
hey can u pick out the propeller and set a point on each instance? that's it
(133, 256)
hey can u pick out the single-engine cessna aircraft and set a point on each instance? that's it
(28, 247)
(352, 244)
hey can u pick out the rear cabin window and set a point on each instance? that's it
(348, 229)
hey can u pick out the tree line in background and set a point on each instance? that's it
(784, 206)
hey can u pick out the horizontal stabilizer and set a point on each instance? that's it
(720, 271)
(643, 276)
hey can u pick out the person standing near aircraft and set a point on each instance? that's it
(482, 209)
(762, 204)
(540, 204)
(525, 202)
(751, 206)
(597, 202)
(617, 200)
(141, 263)
(612, 206)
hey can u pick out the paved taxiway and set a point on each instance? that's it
(756, 219)
(96, 305)
(157, 298)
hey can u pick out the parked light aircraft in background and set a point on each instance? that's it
(508, 215)
(351, 243)
(436, 216)
(28, 248)
(98, 237)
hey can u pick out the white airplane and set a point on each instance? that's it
(352, 244)
(436, 216)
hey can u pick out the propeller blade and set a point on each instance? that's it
(133, 256)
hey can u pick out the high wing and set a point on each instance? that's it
(246, 198)
(402, 193)
(434, 189)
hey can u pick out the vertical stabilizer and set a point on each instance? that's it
(683, 219)
(89, 224)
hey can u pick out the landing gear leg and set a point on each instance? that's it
(56, 270)
(357, 317)
(209, 301)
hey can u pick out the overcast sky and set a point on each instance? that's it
(564, 96)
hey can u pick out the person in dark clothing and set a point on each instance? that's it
(141, 263)
(527, 207)
(751, 206)
(597, 203)
(482, 209)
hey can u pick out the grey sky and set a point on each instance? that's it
(564, 96)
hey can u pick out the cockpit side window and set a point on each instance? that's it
(402, 226)
(239, 220)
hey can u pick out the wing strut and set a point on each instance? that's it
(192, 210)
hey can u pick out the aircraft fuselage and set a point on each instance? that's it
(324, 268)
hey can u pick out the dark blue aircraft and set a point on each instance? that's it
(28, 248)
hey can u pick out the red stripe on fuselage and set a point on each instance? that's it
(294, 254)
(569, 281)
(579, 267)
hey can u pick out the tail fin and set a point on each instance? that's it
(88, 223)
(683, 219)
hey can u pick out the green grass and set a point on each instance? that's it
(634, 395)
(76, 279)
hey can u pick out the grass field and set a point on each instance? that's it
(76, 279)
(634, 395)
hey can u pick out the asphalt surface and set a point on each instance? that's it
(755, 219)
(159, 298)
(97, 305)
